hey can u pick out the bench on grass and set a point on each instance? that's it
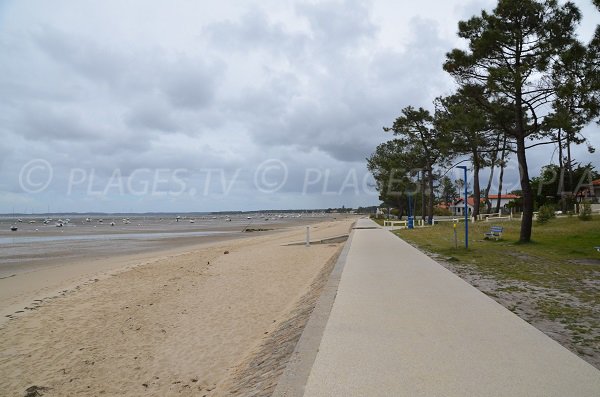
(495, 233)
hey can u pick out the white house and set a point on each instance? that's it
(459, 205)
(458, 208)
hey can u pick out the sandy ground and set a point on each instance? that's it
(182, 324)
(22, 290)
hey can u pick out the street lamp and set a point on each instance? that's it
(464, 168)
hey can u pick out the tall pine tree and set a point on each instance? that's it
(511, 54)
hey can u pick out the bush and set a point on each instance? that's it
(545, 213)
(441, 211)
(585, 213)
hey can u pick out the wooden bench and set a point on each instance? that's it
(495, 233)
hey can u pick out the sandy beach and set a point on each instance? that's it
(189, 321)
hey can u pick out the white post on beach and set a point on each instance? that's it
(308, 236)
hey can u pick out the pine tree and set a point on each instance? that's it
(511, 54)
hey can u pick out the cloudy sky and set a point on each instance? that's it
(122, 106)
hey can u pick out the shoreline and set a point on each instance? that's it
(178, 324)
(22, 290)
(30, 273)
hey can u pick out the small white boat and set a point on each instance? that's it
(14, 228)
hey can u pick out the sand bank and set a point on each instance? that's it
(181, 324)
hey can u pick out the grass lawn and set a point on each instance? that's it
(378, 221)
(553, 282)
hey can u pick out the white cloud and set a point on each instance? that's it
(206, 86)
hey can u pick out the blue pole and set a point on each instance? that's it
(464, 168)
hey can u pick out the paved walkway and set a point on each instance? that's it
(402, 325)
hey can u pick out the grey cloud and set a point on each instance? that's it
(49, 124)
(87, 57)
(254, 31)
(338, 25)
(417, 69)
(187, 82)
(151, 113)
(191, 84)
(348, 106)
(310, 83)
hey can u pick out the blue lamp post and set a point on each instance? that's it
(464, 168)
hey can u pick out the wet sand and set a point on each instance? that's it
(37, 245)
(42, 260)
(181, 322)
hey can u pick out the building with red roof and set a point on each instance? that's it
(459, 205)
(590, 192)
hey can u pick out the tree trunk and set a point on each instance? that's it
(501, 176)
(400, 205)
(570, 165)
(431, 197)
(493, 159)
(423, 203)
(488, 203)
(527, 196)
(476, 189)
(561, 177)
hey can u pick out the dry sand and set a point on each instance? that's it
(22, 289)
(185, 324)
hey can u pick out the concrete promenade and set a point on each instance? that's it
(402, 325)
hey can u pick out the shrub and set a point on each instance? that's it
(585, 213)
(440, 211)
(545, 213)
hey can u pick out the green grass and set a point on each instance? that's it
(378, 221)
(547, 261)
